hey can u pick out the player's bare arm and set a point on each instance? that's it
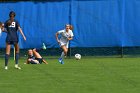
(20, 30)
(56, 35)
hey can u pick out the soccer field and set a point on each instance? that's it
(88, 75)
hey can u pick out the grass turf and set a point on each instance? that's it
(88, 75)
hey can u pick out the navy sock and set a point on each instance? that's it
(16, 58)
(6, 59)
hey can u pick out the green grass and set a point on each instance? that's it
(88, 75)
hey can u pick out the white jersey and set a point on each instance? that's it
(64, 37)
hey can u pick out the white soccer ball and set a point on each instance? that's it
(77, 56)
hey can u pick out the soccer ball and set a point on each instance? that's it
(77, 56)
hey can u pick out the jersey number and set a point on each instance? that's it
(13, 24)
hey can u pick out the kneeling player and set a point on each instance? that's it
(34, 57)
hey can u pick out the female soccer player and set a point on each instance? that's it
(11, 28)
(66, 36)
(34, 57)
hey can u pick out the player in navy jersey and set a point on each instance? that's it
(34, 57)
(11, 27)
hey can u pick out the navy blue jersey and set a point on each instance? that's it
(31, 57)
(40, 60)
(12, 29)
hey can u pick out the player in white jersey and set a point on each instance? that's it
(66, 35)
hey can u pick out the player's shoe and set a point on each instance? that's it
(44, 46)
(60, 60)
(6, 68)
(17, 67)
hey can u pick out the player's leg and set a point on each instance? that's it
(16, 55)
(39, 57)
(7, 54)
(31, 61)
(63, 54)
(65, 50)
(67, 45)
(36, 54)
(44, 61)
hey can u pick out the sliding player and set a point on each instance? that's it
(66, 36)
(11, 28)
(34, 57)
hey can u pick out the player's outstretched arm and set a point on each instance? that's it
(22, 33)
(27, 62)
(56, 36)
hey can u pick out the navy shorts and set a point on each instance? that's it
(12, 42)
(40, 60)
(32, 62)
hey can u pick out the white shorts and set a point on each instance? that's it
(64, 44)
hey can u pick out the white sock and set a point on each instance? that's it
(62, 55)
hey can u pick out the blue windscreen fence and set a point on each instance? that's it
(97, 23)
